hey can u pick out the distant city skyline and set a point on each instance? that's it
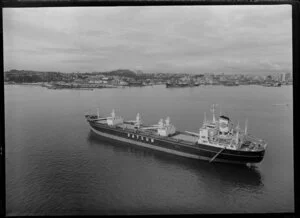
(248, 39)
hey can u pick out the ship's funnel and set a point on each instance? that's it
(224, 124)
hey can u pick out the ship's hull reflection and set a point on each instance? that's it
(237, 175)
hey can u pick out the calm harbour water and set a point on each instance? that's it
(56, 166)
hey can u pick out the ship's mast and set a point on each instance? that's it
(237, 133)
(113, 115)
(213, 111)
(167, 121)
(138, 119)
(161, 123)
(246, 126)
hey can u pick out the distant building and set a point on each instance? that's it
(139, 72)
(95, 81)
(79, 81)
(123, 83)
(222, 78)
(257, 78)
(268, 78)
(282, 77)
(276, 77)
(288, 77)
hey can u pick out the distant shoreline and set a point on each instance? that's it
(48, 86)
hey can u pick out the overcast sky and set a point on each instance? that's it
(179, 39)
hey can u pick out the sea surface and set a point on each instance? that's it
(56, 166)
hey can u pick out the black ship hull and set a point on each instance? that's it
(176, 147)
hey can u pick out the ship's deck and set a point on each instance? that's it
(185, 137)
(126, 126)
(102, 121)
(177, 136)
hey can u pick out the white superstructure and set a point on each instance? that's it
(114, 120)
(166, 129)
(221, 133)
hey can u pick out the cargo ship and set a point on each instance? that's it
(217, 140)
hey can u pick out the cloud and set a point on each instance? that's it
(160, 39)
